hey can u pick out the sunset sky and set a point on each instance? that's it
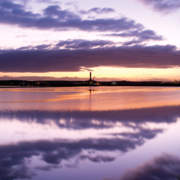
(65, 39)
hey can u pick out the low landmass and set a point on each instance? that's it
(24, 83)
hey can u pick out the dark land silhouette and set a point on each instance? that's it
(89, 82)
(24, 83)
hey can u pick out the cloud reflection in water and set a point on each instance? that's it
(37, 140)
(165, 167)
(116, 132)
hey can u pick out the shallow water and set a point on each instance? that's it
(97, 133)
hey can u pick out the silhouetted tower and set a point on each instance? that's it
(90, 76)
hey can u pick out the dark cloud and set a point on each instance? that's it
(102, 10)
(143, 35)
(39, 47)
(70, 44)
(73, 60)
(133, 42)
(83, 44)
(98, 10)
(163, 5)
(138, 36)
(165, 167)
(55, 17)
(64, 15)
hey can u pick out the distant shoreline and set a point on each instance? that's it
(31, 84)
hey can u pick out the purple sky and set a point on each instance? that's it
(67, 38)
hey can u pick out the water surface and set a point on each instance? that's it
(99, 133)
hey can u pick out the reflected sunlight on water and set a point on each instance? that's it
(94, 98)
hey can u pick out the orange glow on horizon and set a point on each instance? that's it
(106, 73)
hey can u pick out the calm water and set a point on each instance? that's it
(112, 133)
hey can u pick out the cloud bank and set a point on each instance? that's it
(42, 60)
(55, 17)
(73, 54)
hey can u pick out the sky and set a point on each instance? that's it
(116, 40)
